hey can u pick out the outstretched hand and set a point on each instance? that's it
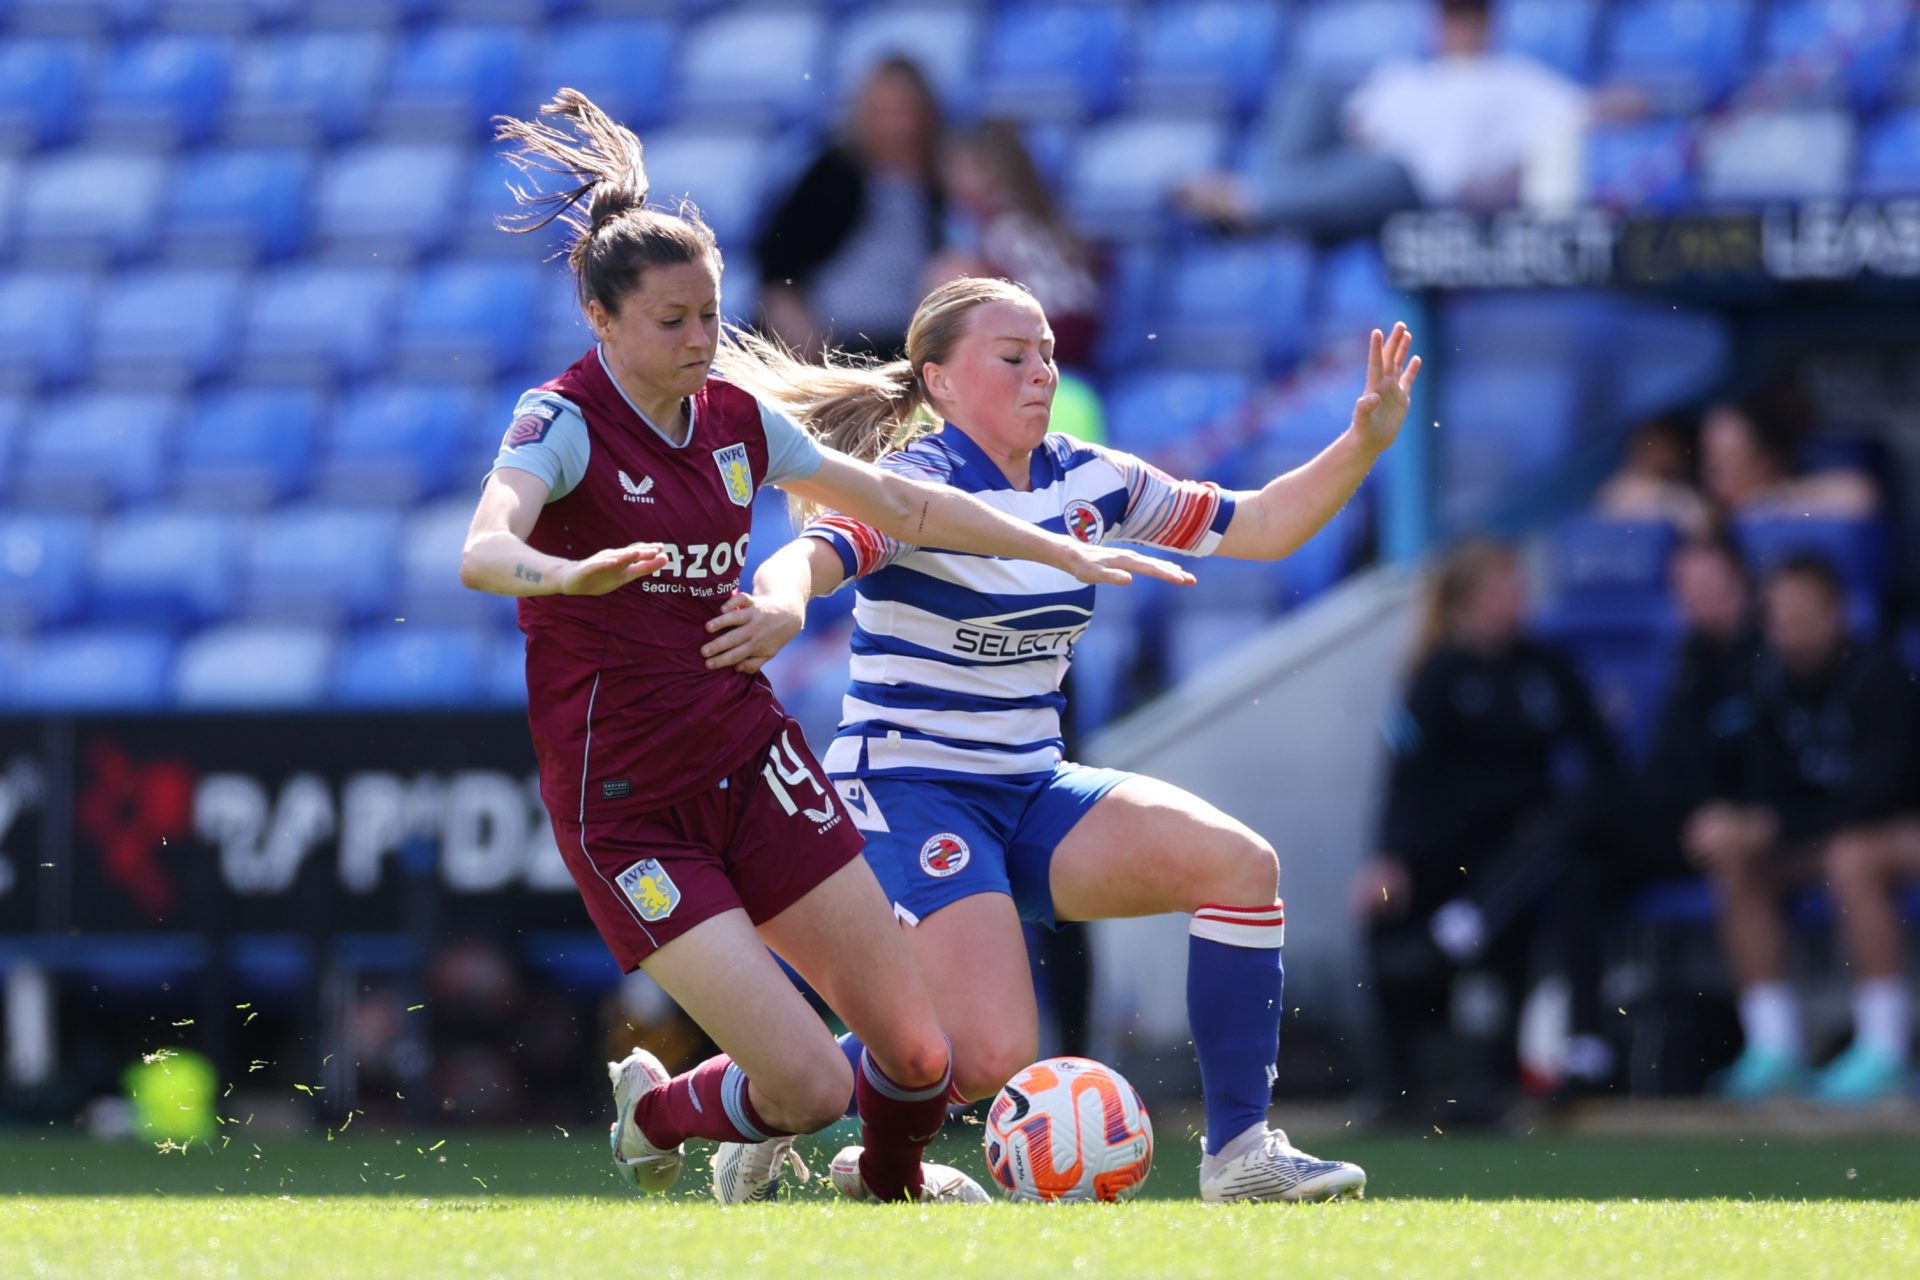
(1381, 409)
(1115, 566)
(609, 570)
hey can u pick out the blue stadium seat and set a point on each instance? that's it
(1645, 163)
(1342, 40)
(98, 19)
(1148, 412)
(1556, 32)
(942, 41)
(1809, 45)
(1352, 296)
(90, 205)
(1124, 171)
(254, 665)
(624, 65)
(247, 447)
(41, 83)
(166, 89)
(43, 326)
(1213, 55)
(1681, 53)
(105, 447)
(1611, 576)
(1778, 155)
(321, 563)
(430, 588)
(1512, 422)
(1058, 61)
(1326, 557)
(391, 197)
(752, 62)
(394, 442)
(449, 79)
(306, 86)
(410, 664)
(43, 562)
(471, 318)
(95, 669)
(1627, 675)
(561, 330)
(241, 205)
(165, 567)
(506, 675)
(1238, 303)
(1857, 549)
(1890, 156)
(319, 321)
(724, 172)
(168, 325)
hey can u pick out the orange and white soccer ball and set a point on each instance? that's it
(1069, 1129)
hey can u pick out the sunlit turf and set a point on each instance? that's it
(546, 1205)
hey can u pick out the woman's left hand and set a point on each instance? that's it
(751, 630)
(1378, 413)
(1114, 566)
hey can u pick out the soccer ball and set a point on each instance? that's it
(1069, 1129)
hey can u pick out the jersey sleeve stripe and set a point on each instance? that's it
(870, 549)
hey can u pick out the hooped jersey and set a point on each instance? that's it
(958, 659)
(624, 712)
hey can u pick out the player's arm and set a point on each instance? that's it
(1276, 521)
(750, 629)
(497, 559)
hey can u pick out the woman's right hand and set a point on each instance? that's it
(611, 569)
(1115, 566)
(1381, 889)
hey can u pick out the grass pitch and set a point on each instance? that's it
(547, 1205)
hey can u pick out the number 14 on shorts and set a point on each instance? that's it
(786, 772)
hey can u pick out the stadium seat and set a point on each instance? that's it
(1342, 40)
(468, 318)
(41, 87)
(1890, 156)
(1611, 576)
(723, 170)
(410, 664)
(506, 674)
(1055, 61)
(43, 562)
(1645, 163)
(1351, 295)
(391, 197)
(247, 447)
(1857, 549)
(394, 442)
(941, 41)
(1512, 422)
(321, 563)
(1215, 55)
(241, 205)
(624, 65)
(98, 19)
(1124, 171)
(452, 79)
(430, 589)
(1323, 560)
(43, 326)
(165, 567)
(1683, 54)
(1150, 411)
(168, 326)
(1556, 32)
(1236, 304)
(307, 86)
(1778, 155)
(90, 206)
(163, 89)
(1810, 48)
(250, 665)
(752, 62)
(310, 320)
(105, 447)
(1627, 675)
(95, 669)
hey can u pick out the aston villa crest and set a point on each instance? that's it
(736, 472)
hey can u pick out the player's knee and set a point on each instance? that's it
(1852, 863)
(915, 1062)
(809, 1099)
(1246, 873)
(982, 1069)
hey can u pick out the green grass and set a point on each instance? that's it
(368, 1205)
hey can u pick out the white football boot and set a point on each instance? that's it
(1261, 1164)
(749, 1172)
(646, 1166)
(939, 1183)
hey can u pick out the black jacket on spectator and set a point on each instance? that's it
(1477, 748)
(1840, 744)
(814, 220)
(1708, 744)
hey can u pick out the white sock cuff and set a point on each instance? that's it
(1254, 927)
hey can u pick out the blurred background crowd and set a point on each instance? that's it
(1645, 790)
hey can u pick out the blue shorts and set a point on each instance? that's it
(934, 841)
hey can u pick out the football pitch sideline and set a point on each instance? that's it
(546, 1205)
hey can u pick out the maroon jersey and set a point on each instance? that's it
(626, 716)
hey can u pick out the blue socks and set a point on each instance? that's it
(1234, 987)
(851, 1046)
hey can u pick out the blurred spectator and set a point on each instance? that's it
(1837, 775)
(1475, 813)
(1655, 480)
(844, 254)
(1748, 467)
(1004, 223)
(1469, 127)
